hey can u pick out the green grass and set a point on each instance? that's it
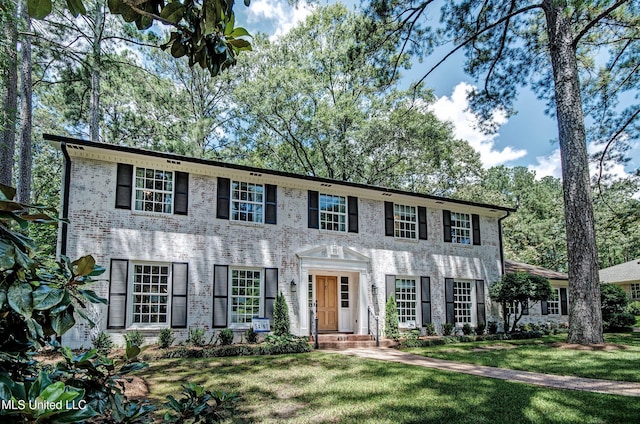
(541, 355)
(320, 387)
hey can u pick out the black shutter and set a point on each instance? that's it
(564, 304)
(390, 286)
(181, 204)
(449, 301)
(425, 286)
(446, 222)
(544, 307)
(270, 291)
(475, 225)
(123, 186)
(388, 219)
(224, 186)
(220, 295)
(117, 311)
(480, 301)
(352, 209)
(271, 213)
(179, 290)
(422, 223)
(314, 217)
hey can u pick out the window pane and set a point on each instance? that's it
(154, 190)
(245, 295)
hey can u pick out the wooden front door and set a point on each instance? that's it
(327, 297)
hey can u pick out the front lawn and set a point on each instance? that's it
(321, 387)
(616, 361)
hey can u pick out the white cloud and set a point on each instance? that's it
(454, 109)
(282, 15)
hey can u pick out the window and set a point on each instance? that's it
(553, 304)
(344, 292)
(154, 190)
(635, 291)
(245, 295)
(333, 213)
(404, 221)
(150, 294)
(406, 300)
(310, 294)
(462, 298)
(247, 202)
(460, 228)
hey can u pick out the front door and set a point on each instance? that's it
(327, 297)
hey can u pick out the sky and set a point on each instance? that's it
(528, 138)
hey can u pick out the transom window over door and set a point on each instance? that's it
(463, 301)
(247, 202)
(333, 213)
(245, 295)
(406, 300)
(404, 221)
(460, 228)
(150, 294)
(154, 190)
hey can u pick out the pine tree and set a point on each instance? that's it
(391, 329)
(281, 316)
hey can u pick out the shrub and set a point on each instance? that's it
(391, 329)
(200, 405)
(165, 338)
(619, 321)
(614, 301)
(281, 326)
(103, 343)
(275, 345)
(492, 327)
(466, 329)
(134, 337)
(481, 328)
(430, 329)
(251, 336)
(196, 337)
(634, 308)
(447, 329)
(225, 337)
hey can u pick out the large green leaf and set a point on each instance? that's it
(84, 265)
(7, 255)
(173, 12)
(62, 322)
(38, 9)
(92, 297)
(20, 300)
(239, 32)
(44, 297)
(76, 7)
(6, 192)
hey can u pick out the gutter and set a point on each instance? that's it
(65, 199)
(500, 238)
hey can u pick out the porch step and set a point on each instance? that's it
(349, 341)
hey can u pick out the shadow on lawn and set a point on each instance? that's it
(321, 387)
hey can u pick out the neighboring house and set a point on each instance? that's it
(626, 275)
(192, 243)
(556, 309)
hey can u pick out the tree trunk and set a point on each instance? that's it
(24, 165)
(9, 92)
(585, 315)
(94, 109)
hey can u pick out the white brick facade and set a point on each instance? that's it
(299, 253)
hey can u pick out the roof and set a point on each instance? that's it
(511, 267)
(58, 141)
(628, 271)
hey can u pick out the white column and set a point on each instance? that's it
(363, 303)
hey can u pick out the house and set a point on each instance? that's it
(555, 310)
(192, 243)
(626, 275)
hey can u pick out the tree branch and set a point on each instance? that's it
(595, 21)
(610, 141)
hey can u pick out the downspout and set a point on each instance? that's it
(500, 238)
(65, 199)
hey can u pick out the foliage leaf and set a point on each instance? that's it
(84, 266)
(20, 299)
(45, 297)
(76, 7)
(38, 9)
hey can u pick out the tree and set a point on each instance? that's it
(614, 304)
(281, 316)
(26, 112)
(549, 45)
(516, 292)
(9, 79)
(391, 322)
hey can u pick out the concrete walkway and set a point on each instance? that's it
(622, 388)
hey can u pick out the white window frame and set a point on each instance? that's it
(133, 294)
(553, 304)
(464, 302)
(153, 191)
(260, 296)
(461, 228)
(405, 221)
(634, 290)
(252, 206)
(332, 218)
(403, 303)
